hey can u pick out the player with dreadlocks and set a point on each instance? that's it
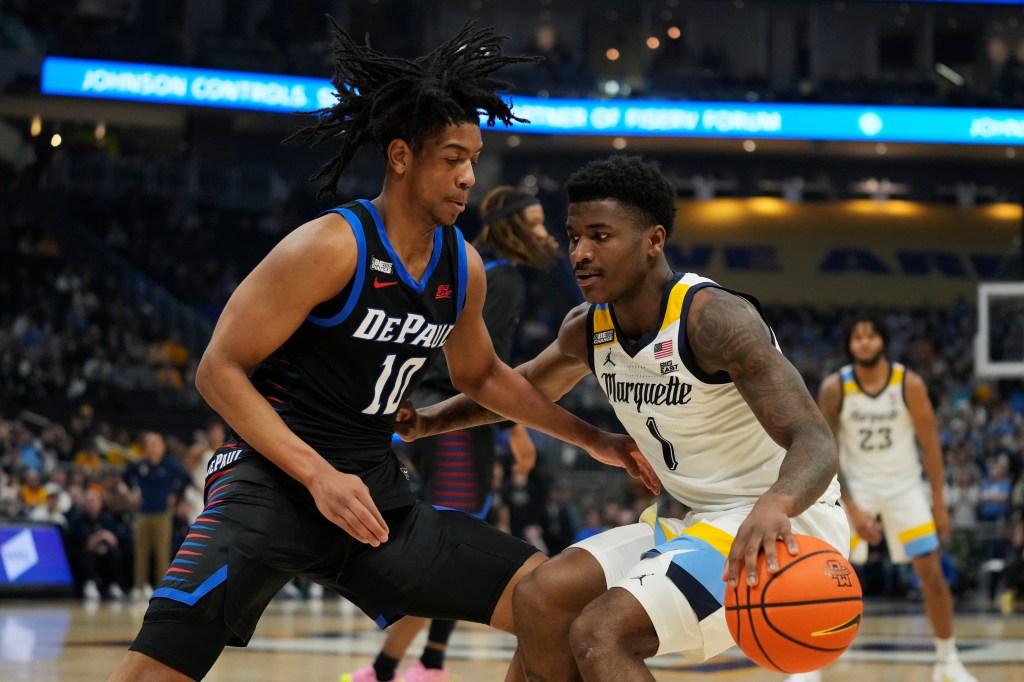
(456, 469)
(309, 363)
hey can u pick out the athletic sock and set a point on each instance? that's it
(945, 649)
(385, 666)
(440, 631)
(432, 659)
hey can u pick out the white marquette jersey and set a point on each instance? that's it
(697, 431)
(877, 440)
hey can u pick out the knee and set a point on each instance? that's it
(536, 592)
(589, 637)
(544, 589)
(929, 570)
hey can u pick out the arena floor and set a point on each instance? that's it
(316, 640)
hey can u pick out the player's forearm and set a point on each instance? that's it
(931, 462)
(807, 469)
(458, 412)
(504, 391)
(227, 389)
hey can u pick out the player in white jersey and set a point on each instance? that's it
(880, 413)
(696, 377)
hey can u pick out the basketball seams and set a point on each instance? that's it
(757, 640)
(739, 618)
(753, 639)
(762, 605)
(792, 563)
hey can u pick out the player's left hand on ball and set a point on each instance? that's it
(766, 523)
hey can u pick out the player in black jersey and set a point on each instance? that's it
(333, 326)
(456, 468)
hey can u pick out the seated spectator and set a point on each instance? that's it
(95, 549)
(89, 460)
(995, 491)
(33, 493)
(591, 526)
(49, 511)
(10, 496)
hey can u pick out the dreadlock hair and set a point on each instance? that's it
(631, 181)
(506, 232)
(874, 321)
(381, 98)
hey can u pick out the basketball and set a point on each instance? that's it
(803, 617)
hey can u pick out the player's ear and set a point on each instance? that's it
(655, 238)
(398, 155)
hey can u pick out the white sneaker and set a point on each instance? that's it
(814, 676)
(138, 594)
(116, 592)
(90, 591)
(952, 671)
(316, 591)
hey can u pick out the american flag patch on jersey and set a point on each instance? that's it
(663, 349)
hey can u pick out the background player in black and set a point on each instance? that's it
(277, 506)
(456, 468)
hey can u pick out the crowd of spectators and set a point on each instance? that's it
(122, 501)
(197, 252)
(79, 475)
(70, 331)
(71, 334)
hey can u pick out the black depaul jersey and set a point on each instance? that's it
(340, 378)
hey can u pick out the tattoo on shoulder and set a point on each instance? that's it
(726, 331)
(728, 334)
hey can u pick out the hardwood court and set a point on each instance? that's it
(317, 640)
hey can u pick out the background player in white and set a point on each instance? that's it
(878, 409)
(695, 376)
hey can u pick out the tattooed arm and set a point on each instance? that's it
(726, 333)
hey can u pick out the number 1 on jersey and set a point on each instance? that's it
(402, 380)
(668, 451)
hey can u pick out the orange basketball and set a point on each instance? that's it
(803, 617)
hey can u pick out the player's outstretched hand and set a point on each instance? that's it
(345, 500)
(766, 523)
(408, 423)
(622, 451)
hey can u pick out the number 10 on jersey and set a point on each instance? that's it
(403, 377)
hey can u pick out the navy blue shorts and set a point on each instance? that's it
(256, 534)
